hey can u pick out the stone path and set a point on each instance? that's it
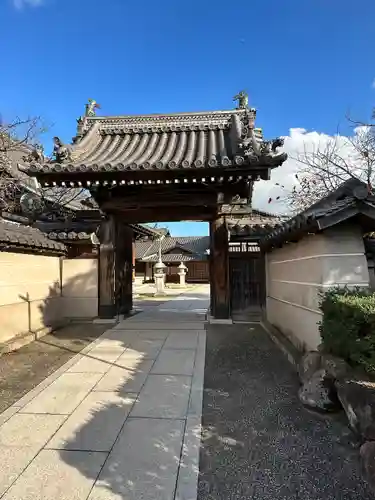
(120, 420)
(24, 369)
(259, 443)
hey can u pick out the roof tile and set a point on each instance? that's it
(16, 235)
(196, 245)
(154, 142)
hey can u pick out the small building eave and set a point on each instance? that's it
(357, 204)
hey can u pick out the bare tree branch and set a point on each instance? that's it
(324, 167)
(15, 136)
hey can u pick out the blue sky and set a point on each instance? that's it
(304, 63)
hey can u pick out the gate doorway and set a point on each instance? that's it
(247, 281)
(157, 168)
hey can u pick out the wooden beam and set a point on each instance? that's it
(89, 178)
(153, 197)
(219, 269)
(106, 268)
(163, 214)
(124, 268)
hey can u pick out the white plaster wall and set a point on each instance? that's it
(297, 272)
(80, 288)
(39, 293)
(30, 288)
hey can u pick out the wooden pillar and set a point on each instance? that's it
(133, 260)
(124, 268)
(219, 269)
(106, 268)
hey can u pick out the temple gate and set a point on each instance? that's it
(160, 168)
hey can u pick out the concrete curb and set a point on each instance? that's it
(188, 474)
(33, 393)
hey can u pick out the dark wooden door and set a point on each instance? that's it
(247, 279)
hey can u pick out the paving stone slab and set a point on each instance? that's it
(169, 326)
(96, 361)
(143, 463)
(163, 396)
(106, 352)
(25, 369)
(130, 335)
(175, 362)
(13, 462)
(58, 475)
(183, 339)
(109, 340)
(28, 430)
(196, 394)
(51, 378)
(187, 481)
(170, 317)
(9, 412)
(124, 380)
(63, 395)
(95, 423)
(134, 361)
(148, 348)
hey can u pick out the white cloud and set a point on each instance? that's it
(296, 144)
(20, 4)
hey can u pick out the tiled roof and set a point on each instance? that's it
(16, 236)
(82, 229)
(349, 200)
(161, 231)
(144, 230)
(176, 257)
(69, 235)
(243, 210)
(196, 245)
(154, 142)
(243, 220)
(254, 230)
(142, 248)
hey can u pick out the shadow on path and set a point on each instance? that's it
(24, 369)
(153, 443)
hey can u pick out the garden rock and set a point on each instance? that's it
(309, 364)
(336, 368)
(358, 399)
(319, 393)
(367, 453)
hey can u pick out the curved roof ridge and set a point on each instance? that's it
(174, 114)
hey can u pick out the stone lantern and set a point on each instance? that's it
(159, 276)
(182, 270)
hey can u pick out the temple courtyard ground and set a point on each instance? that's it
(104, 412)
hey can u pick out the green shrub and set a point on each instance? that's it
(348, 326)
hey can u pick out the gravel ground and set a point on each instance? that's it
(22, 370)
(259, 443)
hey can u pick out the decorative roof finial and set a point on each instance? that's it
(91, 107)
(243, 99)
(90, 110)
(36, 155)
(61, 152)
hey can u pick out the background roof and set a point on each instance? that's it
(16, 236)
